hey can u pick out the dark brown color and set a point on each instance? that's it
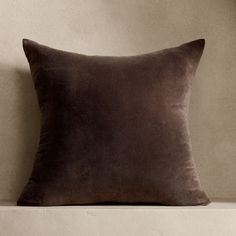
(114, 129)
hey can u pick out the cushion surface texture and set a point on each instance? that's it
(114, 129)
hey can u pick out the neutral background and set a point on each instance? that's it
(122, 27)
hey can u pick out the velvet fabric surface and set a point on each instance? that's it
(114, 129)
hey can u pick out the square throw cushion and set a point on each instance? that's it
(114, 129)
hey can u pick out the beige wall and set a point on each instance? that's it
(122, 27)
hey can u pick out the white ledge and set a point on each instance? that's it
(218, 219)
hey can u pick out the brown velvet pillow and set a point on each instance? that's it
(114, 129)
